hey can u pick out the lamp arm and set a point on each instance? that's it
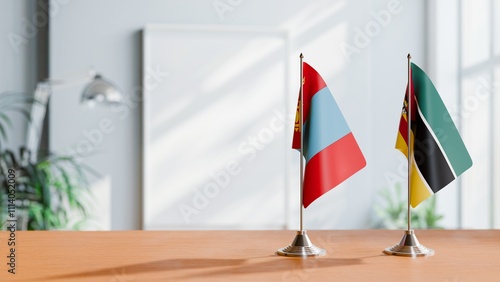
(38, 111)
(39, 108)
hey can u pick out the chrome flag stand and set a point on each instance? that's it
(301, 245)
(409, 245)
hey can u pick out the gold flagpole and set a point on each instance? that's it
(409, 245)
(301, 245)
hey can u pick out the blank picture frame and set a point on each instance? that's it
(216, 127)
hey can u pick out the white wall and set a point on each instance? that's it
(468, 89)
(17, 57)
(368, 86)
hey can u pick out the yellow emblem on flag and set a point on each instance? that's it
(297, 118)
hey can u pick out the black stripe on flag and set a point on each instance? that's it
(429, 158)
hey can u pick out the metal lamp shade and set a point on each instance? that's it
(101, 91)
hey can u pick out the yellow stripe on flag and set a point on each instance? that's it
(401, 144)
(420, 190)
(400, 139)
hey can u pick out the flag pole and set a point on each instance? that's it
(408, 118)
(301, 245)
(409, 246)
(301, 122)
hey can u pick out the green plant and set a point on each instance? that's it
(393, 213)
(51, 192)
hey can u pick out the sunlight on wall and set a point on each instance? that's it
(212, 153)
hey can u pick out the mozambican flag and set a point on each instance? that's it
(438, 155)
(331, 153)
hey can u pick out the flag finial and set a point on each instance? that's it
(409, 56)
(301, 56)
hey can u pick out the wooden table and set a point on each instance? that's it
(356, 255)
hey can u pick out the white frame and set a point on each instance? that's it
(146, 108)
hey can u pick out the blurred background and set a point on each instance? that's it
(200, 137)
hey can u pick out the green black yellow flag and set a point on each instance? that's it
(438, 155)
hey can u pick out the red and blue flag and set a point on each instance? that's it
(331, 153)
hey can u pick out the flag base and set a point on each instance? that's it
(301, 247)
(409, 247)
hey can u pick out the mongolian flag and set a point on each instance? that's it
(331, 153)
(438, 155)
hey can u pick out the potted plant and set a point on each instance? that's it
(51, 192)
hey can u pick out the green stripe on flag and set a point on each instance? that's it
(438, 118)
